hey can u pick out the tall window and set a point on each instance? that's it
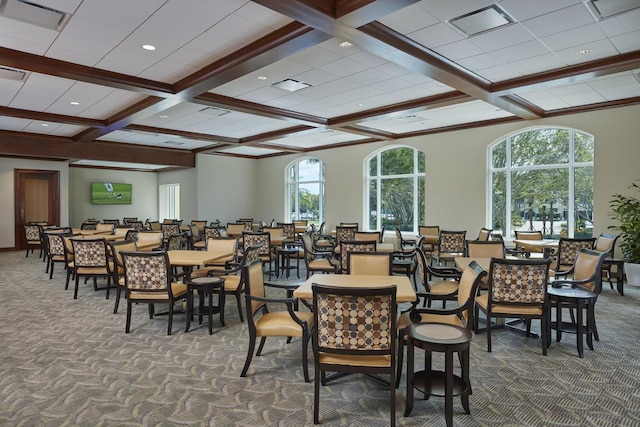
(395, 189)
(169, 201)
(542, 179)
(305, 191)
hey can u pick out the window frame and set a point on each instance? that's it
(417, 215)
(571, 166)
(296, 181)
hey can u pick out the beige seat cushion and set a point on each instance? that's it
(279, 323)
(179, 289)
(507, 310)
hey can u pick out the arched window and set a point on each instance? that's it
(542, 179)
(395, 189)
(305, 190)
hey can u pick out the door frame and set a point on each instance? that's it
(19, 175)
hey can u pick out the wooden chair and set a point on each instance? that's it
(116, 249)
(370, 263)
(347, 246)
(527, 235)
(607, 243)
(431, 234)
(484, 234)
(451, 244)
(462, 315)
(254, 238)
(147, 278)
(265, 322)
(32, 236)
(316, 261)
(517, 289)
(91, 259)
(485, 249)
(568, 250)
(375, 354)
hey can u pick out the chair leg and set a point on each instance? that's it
(247, 362)
(401, 344)
(170, 323)
(261, 346)
(488, 333)
(316, 394)
(305, 358)
(75, 290)
(128, 324)
(117, 303)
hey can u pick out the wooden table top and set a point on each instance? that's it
(192, 258)
(404, 291)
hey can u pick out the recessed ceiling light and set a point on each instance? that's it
(291, 85)
(74, 103)
(164, 117)
(441, 85)
(360, 104)
(583, 52)
(148, 47)
(345, 44)
(44, 124)
(262, 77)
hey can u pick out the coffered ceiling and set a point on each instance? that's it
(79, 86)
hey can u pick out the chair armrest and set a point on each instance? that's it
(444, 272)
(291, 287)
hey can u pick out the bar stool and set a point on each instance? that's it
(205, 286)
(447, 339)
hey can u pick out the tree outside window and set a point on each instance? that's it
(395, 189)
(542, 179)
(305, 191)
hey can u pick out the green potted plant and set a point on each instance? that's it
(626, 210)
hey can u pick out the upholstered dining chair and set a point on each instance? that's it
(263, 321)
(116, 249)
(147, 279)
(607, 243)
(218, 244)
(462, 315)
(55, 249)
(367, 235)
(484, 234)
(568, 249)
(370, 263)
(347, 246)
(485, 249)
(527, 235)
(431, 234)
(316, 261)
(585, 273)
(32, 236)
(91, 259)
(402, 244)
(355, 333)
(451, 244)
(445, 285)
(517, 289)
(254, 238)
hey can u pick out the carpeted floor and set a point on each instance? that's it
(66, 362)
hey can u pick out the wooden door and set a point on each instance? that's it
(37, 199)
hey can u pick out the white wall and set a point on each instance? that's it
(7, 207)
(144, 195)
(456, 170)
(228, 188)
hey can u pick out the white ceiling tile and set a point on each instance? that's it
(559, 21)
(127, 16)
(409, 19)
(520, 51)
(92, 29)
(13, 123)
(40, 91)
(167, 71)
(249, 151)
(499, 73)
(262, 15)
(8, 90)
(459, 49)
(620, 24)
(583, 98)
(502, 37)
(523, 10)
(599, 49)
(574, 37)
(87, 60)
(126, 62)
(627, 42)
(450, 9)
(343, 67)
(86, 94)
(111, 104)
(436, 35)
(537, 64)
(25, 37)
(478, 62)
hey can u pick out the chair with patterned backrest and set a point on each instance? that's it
(347, 246)
(370, 263)
(263, 238)
(264, 321)
(288, 231)
(114, 222)
(68, 255)
(316, 261)
(169, 230)
(147, 279)
(115, 253)
(461, 315)
(89, 225)
(128, 220)
(585, 273)
(451, 244)
(365, 321)
(345, 233)
(91, 259)
(55, 248)
(517, 289)
(607, 243)
(32, 237)
(568, 250)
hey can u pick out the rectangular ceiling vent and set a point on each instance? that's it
(481, 20)
(33, 13)
(602, 9)
(291, 85)
(13, 74)
(169, 142)
(213, 111)
(410, 119)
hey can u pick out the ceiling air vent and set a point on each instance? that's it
(169, 142)
(213, 111)
(481, 20)
(13, 74)
(410, 119)
(291, 85)
(602, 9)
(33, 13)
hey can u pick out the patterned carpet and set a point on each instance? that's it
(66, 362)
